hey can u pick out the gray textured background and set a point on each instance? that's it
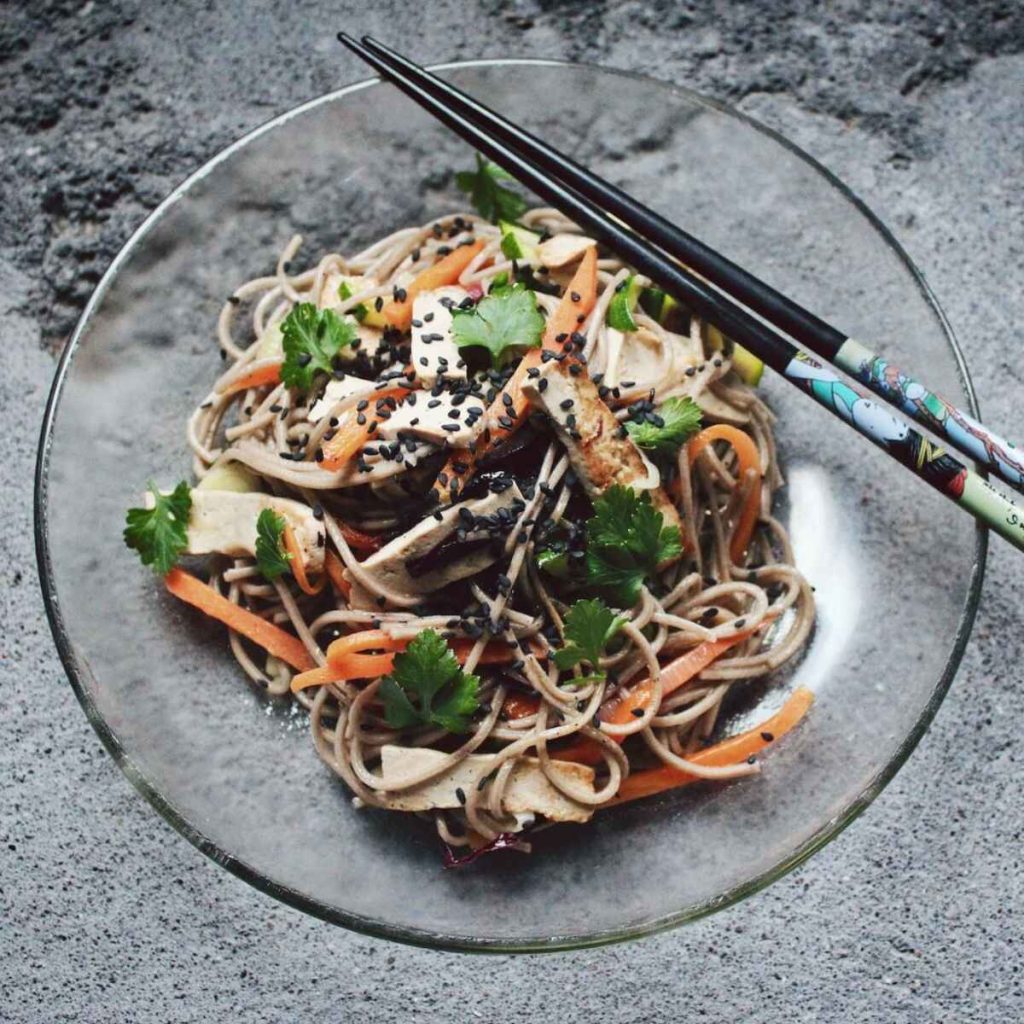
(107, 915)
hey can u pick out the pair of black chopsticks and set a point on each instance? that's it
(724, 294)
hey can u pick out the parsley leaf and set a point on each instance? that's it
(271, 557)
(504, 320)
(626, 542)
(589, 627)
(428, 687)
(160, 533)
(680, 420)
(493, 201)
(312, 338)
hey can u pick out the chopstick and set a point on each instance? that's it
(885, 379)
(909, 447)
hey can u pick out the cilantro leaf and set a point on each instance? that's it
(312, 338)
(589, 627)
(271, 557)
(675, 422)
(626, 542)
(160, 533)
(428, 687)
(492, 201)
(504, 320)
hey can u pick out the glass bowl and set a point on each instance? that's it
(897, 569)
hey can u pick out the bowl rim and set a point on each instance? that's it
(418, 936)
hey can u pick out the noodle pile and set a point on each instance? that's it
(703, 596)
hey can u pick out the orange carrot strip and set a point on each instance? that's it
(518, 705)
(314, 677)
(347, 657)
(359, 643)
(619, 710)
(291, 545)
(734, 750)
(357, 540)
(749, 458)
(567, 317)
(495, 652)
(256, 379)
(348, 653)
(444, 272)
(282, 645)
(352, 435)
(336, 572)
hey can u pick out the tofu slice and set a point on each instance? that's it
(434, 353)
(719, 411)
(562, 249)
(599, 453)
(429, 424)
(225, 522)
(528, 790)
(335, 391)
(388, 566)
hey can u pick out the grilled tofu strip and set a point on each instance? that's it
(390, 566)
(600, 450)
(224, 522)
(528, 790)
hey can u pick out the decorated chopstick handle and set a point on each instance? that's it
(930, 462)
(932, 411)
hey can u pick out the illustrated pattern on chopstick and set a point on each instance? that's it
(932, 410)
(908, 446)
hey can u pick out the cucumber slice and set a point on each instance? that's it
(660, 306)
(518, 243)
(747, 365)
(271, 343)
(620, 309)
(554, 563)
(231, 476)
(365, 312)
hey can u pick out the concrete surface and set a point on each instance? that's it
(107, 915)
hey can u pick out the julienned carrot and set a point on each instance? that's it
(291, 545)
(347, 657)
(444, 272)
(518, 705)
(577, 301)
(270, 374)
(282, 645)
(336, 572)
(352, 435)
(619, 709)
(748, 458)
(314, 677)
(734, 750)
(357, 540)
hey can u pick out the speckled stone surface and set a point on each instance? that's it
(914, 914)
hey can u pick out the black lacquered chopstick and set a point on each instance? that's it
(934, 465)
(929, 408)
